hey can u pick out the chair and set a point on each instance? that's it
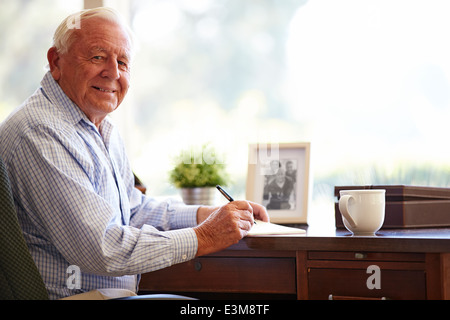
(19, 277)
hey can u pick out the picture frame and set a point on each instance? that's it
(278, 177)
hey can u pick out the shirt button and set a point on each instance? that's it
(184, 257)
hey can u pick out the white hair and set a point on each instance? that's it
(64, 34)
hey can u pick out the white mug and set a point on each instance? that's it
(363, 210)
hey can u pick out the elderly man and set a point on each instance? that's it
(73, 185)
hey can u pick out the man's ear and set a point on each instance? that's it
(53, 58)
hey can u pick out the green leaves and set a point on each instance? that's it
(198, 170)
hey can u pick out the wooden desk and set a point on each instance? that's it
(413, 264)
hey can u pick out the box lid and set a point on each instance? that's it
(403, 192)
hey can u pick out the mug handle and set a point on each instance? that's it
(343, 208)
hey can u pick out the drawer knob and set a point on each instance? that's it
(197, 266)
(360, 256)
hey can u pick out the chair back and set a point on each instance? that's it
(19, 276)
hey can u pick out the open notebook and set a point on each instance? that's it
(270, 229)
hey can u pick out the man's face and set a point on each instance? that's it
(95, 73)
(289, 167)
(280, 176)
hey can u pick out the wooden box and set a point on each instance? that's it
(408, 206)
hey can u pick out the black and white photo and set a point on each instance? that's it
(278, 177)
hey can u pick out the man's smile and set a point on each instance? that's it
(104, 90)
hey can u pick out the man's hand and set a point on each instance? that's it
(259, 212)
(226, 225)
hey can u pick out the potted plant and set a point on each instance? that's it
(197, 174)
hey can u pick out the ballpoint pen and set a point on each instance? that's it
(226, 195)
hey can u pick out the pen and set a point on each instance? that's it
(226, 195)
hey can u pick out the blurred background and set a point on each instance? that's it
(366, 82)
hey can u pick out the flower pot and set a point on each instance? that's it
(199, 196)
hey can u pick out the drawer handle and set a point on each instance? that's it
(360, 256)
(197, 266)
(334, 297)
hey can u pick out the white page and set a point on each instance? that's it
(264, 229)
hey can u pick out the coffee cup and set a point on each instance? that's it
(363, 210)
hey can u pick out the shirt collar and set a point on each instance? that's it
(59, 98)
(74, 114)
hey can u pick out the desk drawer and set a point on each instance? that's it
(395, 284)
(217, 274)
(346, 275)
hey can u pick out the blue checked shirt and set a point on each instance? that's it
(76, 201)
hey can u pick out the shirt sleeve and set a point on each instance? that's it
(55, 184)
(167, 214)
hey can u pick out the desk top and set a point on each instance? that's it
(418, 240)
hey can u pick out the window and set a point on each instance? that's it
(207, 72)
(26, 30)
(366, 82)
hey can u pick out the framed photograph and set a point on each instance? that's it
(278, 178)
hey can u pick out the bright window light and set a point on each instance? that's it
(366, 82)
